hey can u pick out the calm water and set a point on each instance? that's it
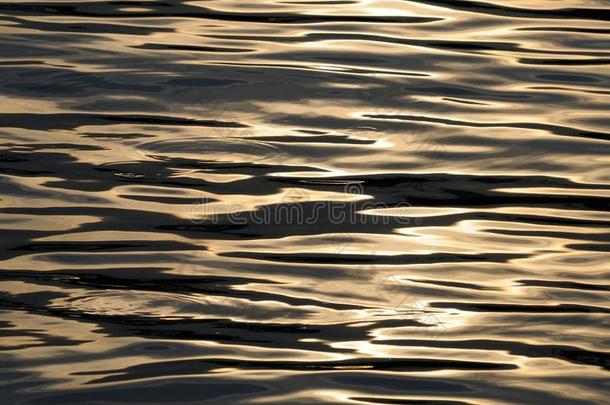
(276, 202)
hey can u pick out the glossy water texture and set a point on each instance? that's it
(276, 202)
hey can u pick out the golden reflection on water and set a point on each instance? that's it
(282, 202)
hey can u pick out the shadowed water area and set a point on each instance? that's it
(278, 202)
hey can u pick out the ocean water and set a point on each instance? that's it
(278, 202)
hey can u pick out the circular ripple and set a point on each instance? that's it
(213, 149)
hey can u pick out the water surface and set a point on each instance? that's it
(275, 202)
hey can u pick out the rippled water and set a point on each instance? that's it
(367, 201)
